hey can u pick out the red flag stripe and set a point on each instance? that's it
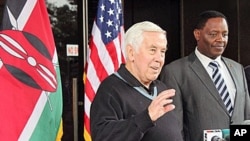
(87, 121)
(93, 77)
(98, 66)
(87, 103)
(89, 92)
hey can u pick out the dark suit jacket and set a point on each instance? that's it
(247, 71)
(198, 104)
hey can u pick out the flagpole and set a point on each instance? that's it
(75, 108)
(85, 41)
(85, 30)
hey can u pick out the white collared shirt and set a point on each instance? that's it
(223, 69)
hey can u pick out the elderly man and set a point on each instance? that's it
(131, 105)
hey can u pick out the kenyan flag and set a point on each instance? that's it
(30, 83)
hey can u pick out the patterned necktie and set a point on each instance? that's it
(221, 86)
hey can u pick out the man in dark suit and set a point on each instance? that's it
(199, 105)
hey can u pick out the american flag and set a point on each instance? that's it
(104, 53)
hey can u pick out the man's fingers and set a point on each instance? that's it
(169, 107)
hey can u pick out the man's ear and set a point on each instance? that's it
(197, 34)
(130, 53)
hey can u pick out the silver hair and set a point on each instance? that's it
(134, 35)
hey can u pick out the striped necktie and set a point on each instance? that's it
(221, 86)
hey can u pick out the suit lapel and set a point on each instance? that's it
(233, 73)
(202, 74)
(231, 70)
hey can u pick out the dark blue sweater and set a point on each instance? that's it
(119, 113)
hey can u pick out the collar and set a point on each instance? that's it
(131, 80)
(206, 60)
